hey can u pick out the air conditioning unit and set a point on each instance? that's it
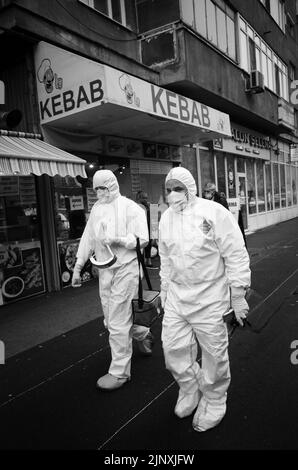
(255, 82)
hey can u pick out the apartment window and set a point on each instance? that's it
(214, 20)
(292, 72)
(122, 11)
(252, 54)
(277, 80)
(290, 25)
(256, 55)
(211, 22)
(276, 8)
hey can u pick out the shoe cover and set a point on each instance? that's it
(110, 382)
(186, 403)
(208, 414)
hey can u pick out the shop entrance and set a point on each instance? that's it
(242, 194)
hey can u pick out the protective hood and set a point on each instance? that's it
(184, 176)
(108, 179)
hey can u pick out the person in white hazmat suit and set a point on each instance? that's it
(203, 261)
(115, 221)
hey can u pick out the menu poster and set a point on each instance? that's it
(9, 186)
(76, 203)
(67, 259)
(175, 154)
(115, 146)
(27, 190)
(134, 148)
(91, 198)
(163, 152)
(10, 256)
(234, 206)
(149, 150)
(26, 277)
(135, 182)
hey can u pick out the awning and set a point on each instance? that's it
(24, 154)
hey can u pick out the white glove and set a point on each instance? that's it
(109, 241)
(239, 304)
(163, 298)
(76, 277)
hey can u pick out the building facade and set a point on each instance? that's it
(140, 87)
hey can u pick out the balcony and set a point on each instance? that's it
(188, 64)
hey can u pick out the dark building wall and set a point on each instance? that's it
(19, 75)
(78, 18)
(74, 26)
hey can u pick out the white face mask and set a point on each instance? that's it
(102, 195)
(177, 201)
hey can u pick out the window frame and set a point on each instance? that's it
(265, 53)
(280, 20)
(231, 49)
(90, 4)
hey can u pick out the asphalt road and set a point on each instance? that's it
(48, 398)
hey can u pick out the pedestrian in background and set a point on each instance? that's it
(204, 270)
(115, 221)
(209, 192)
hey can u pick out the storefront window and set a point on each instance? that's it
(251, 187)
(231, 176)
(283, 185)
(221, 176)
(207, 167)
(70, 208)
(269, 186)
(73, 202)
(21, 266)
(276, 186)
(294, 186)
(260, 186)
(289, 185)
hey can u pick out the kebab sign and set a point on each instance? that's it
(66, 82)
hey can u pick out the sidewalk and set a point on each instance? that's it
(31, 322)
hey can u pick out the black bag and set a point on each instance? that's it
(146, 308)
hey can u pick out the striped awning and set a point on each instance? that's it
(25, 154)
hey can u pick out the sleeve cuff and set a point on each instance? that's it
(237, 291)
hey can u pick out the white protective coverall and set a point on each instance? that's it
(120, 220)
(202, 255)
